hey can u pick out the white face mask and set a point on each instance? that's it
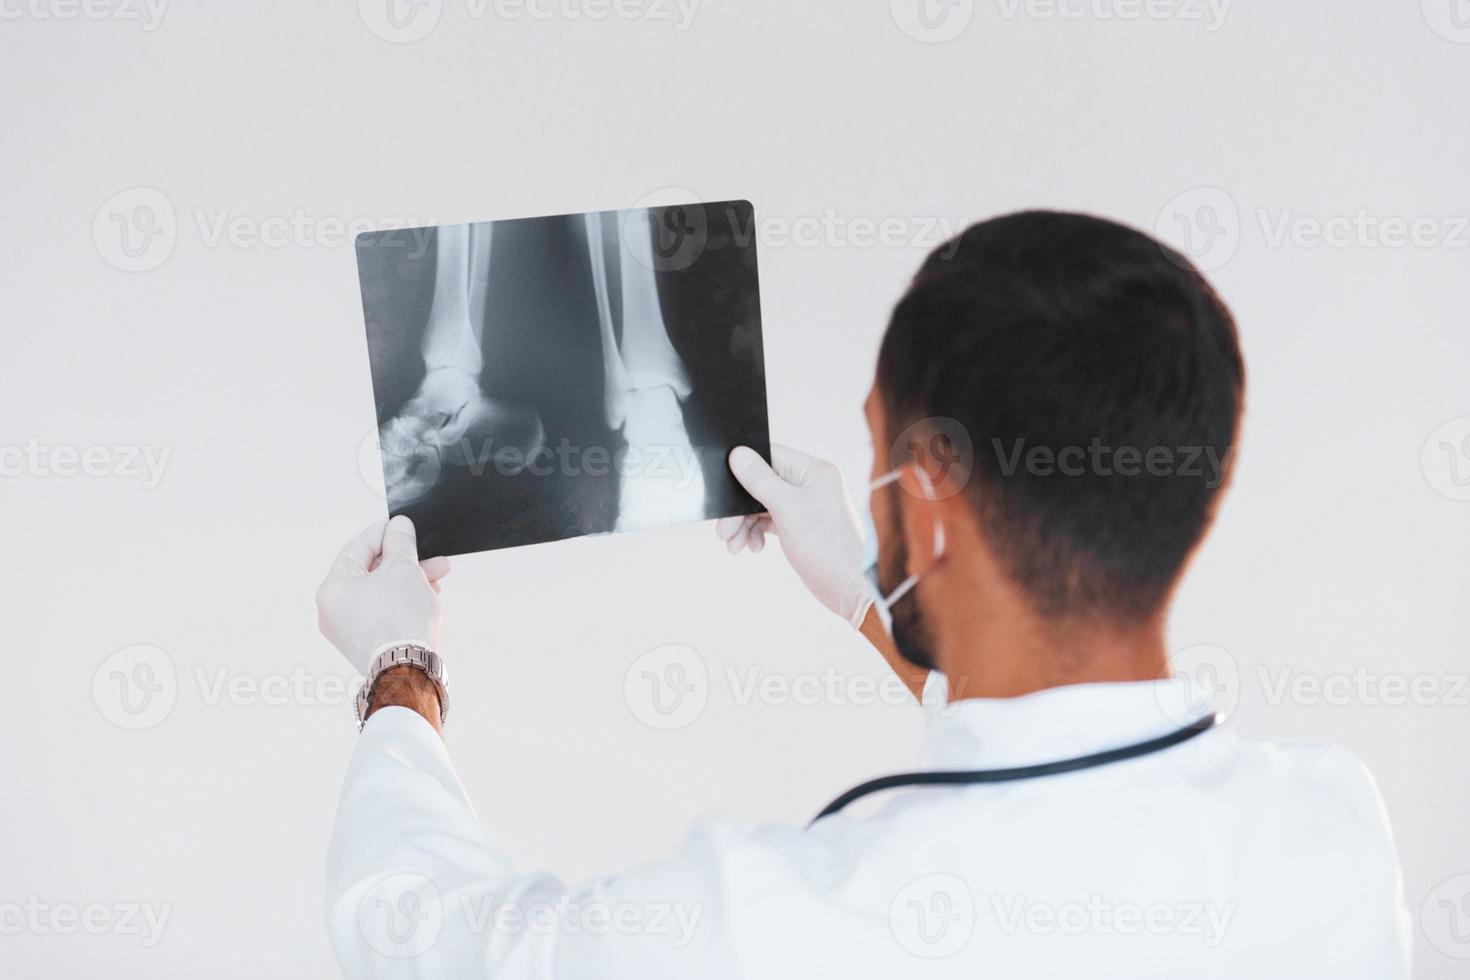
(884, 603)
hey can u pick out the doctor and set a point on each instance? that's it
(1076, 812)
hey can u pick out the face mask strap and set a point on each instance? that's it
(885, 603)
(901, 590)
(931, 496)
(880, 482)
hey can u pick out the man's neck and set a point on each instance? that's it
(1001, 649)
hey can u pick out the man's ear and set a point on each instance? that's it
(921, 517)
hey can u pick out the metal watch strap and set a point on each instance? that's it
(403, 655)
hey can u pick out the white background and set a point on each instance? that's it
(245, 360)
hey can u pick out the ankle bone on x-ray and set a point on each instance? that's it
(644, 358)
(449, 409)
(449, 417)
(645, 381)
(433, 423)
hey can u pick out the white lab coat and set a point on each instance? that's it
(1220, 857)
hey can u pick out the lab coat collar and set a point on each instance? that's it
(1058, 723)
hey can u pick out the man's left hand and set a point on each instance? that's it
(378, 594)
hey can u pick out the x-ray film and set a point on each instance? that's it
(543, 378)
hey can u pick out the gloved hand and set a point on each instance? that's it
(378, 594)
(808, 509)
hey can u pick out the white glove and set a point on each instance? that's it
(378, 594)
(808, 509)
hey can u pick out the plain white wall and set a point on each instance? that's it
(245, 360)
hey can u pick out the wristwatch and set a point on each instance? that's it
(404, 655)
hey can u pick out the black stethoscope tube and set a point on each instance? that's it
(972, 776)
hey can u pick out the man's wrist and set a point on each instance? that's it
(409, 687)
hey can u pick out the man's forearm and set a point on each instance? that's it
(410, 870)
(407, 687)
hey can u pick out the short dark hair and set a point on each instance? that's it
(1040, 331)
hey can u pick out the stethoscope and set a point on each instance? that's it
(972, 776)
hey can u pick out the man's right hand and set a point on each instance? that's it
(808, 509)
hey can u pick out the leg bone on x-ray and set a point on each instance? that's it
(450, 416)
(661, 481)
